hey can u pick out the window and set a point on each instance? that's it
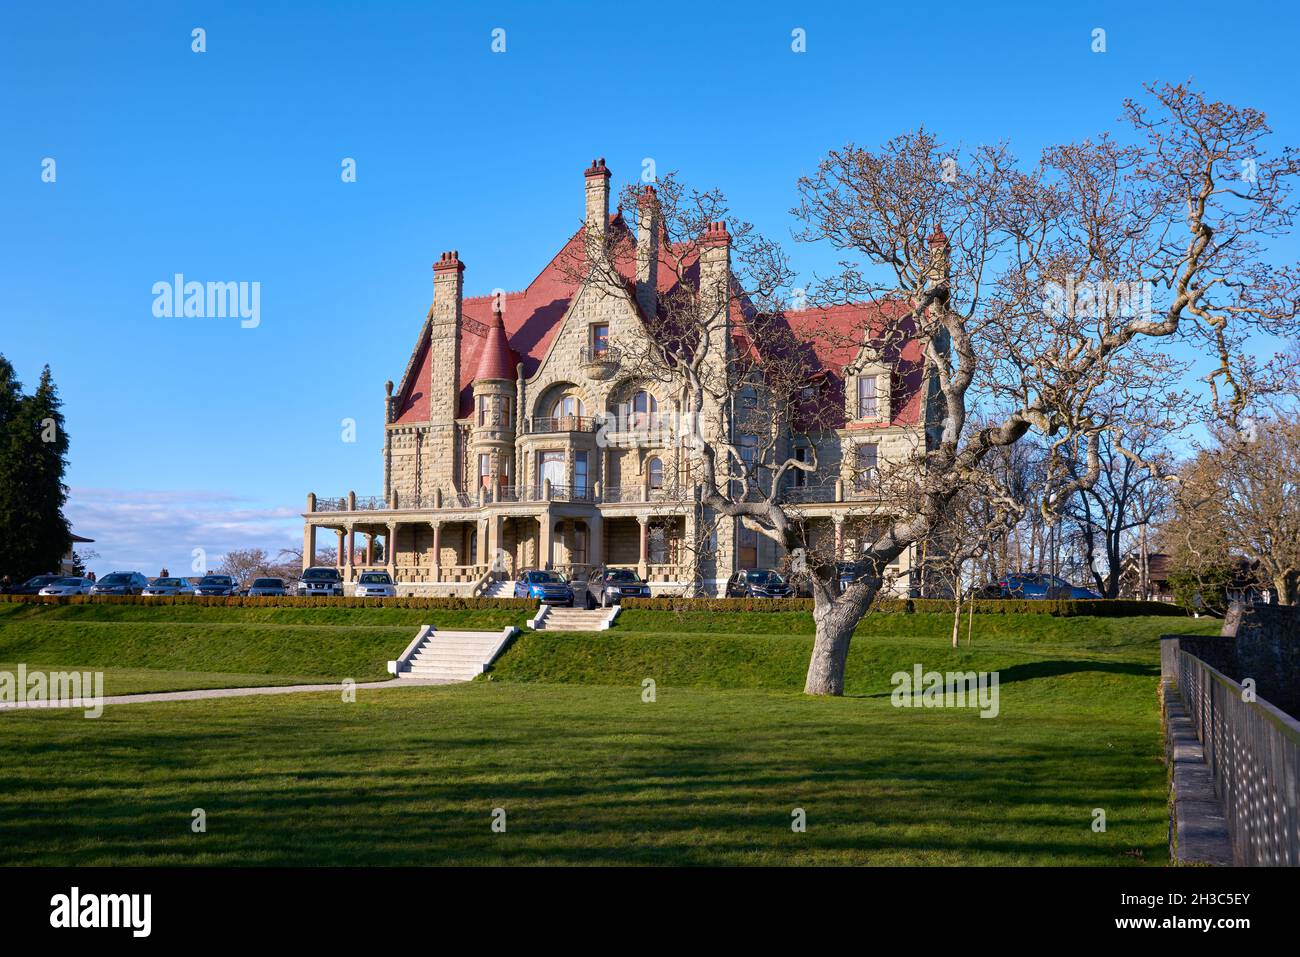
(579, 544)
(867, 461)
(657, 545)
(644, 406)
(749, 450)
(655, 471)
(580, 473)
(868, 399)
(599, 340)
(801, 454)
(747, 546)
(494, 410)
(569, 405)
(550, 467)
(485, 470)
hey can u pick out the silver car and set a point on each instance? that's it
(68, 586)
(169, 586)
(375, 585)
(268, 588)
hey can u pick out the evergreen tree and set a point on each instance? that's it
(34, 535)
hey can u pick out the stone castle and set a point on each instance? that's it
(516, 440)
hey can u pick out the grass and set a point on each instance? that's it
(176, 647)
(588, 773)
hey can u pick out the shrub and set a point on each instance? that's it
(1099, 607)
(287, 601)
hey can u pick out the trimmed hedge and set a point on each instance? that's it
(1098, 607)
(1095, 607)
(286, 601)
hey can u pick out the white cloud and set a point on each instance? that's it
(148, 530)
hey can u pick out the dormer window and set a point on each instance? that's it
(868, 397)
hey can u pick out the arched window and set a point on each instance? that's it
(655, 471)
(566, 406)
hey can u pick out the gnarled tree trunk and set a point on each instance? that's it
(835, 621)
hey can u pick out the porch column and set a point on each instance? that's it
(596, 539)
(370, 548)
(390, 550)
(339, 562)
(481, 543)
(643, 562)
(347, 565)
(308, 546)
(437, 550)
(495, 557)
(839, 539)
(544, 541)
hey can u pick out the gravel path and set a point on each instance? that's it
(201, 694)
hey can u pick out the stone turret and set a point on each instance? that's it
(492, 435)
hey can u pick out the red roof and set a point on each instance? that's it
(496, 358)
(491, 345)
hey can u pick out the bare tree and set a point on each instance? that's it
(1133, 490)
(1034, 296)
(1240, 498)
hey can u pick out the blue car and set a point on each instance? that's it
(1033, 585)
(550, 588)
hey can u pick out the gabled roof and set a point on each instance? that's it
(530, 318)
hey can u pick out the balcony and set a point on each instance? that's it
(541, 425)
(599, 364)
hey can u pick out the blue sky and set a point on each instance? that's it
(225, 166)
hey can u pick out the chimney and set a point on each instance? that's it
(597, 177)
(715, 260)
(444, 337)
(940, 253)
(647, 251)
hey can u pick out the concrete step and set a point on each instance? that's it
(444, 675)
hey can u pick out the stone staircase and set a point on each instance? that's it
(553, 618)
(450, 655)
(500, 589)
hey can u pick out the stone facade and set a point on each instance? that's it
(514, 440)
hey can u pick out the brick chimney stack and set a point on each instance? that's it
(597, 177)
(648, 240)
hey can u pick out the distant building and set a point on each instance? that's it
(68, 564)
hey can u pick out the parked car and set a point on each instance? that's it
(849, 572)
(609, 586)
(120, 583)
(375, 585)
(216, 586)
(33, 586)
(1030, 585)
(321, 581)
(758, 583)
(68, 586)
(550, 588)
(169, 586)
(268, 587)
(1080, 594)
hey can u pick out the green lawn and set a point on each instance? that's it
(559, 736)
